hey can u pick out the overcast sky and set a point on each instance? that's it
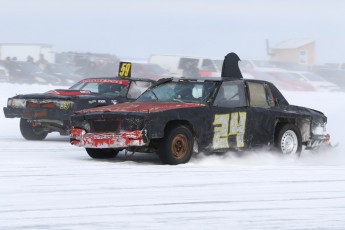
(137, 29)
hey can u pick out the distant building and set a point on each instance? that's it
(23, 51)
(300, 51)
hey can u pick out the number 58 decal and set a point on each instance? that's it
(226, 125)
(125, 69)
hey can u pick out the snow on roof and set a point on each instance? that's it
(293, 43)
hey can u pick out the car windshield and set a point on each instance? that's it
(110, 88)
(180, 91)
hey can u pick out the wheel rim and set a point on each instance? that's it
(289, 142)
(179, 146)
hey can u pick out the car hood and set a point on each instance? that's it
(141, 107)
(56, 94)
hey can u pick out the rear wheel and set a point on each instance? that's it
(289, 140)
(177, 146)
(32, 132)
(102, 153)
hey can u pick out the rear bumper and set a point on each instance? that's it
(81, 138)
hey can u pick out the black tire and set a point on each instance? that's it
(289, 140)
(30, 132)
(177, 145)
(102, 153)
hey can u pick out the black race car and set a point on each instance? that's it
(177, 117)
(47, 112)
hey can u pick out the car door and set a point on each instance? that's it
(229, 117)
(261, 114)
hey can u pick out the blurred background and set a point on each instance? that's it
(298, 45)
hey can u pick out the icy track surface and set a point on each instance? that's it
(53, 185)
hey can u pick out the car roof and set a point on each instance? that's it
(218, 79)
(120, 78)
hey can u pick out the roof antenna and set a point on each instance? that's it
(230, 67)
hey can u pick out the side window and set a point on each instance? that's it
(137, 88)
(231, 95)
(260, 95)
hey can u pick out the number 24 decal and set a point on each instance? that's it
(226, 125)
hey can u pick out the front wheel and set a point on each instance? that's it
(30, 131)
(289, 141)
(177, 146)
(102, 153)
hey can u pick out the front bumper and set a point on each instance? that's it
(319, 141)
(80, 137)
(11, 113)
(36, 114)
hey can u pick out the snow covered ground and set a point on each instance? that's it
(53, 185)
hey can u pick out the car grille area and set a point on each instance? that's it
(109, 125)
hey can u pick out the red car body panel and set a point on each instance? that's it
(143, 107)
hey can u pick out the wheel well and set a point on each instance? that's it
(155, 142)
(303, 124)
(179, 122)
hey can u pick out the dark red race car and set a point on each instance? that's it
(43, 113)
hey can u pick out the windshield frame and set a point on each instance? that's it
(175, 91)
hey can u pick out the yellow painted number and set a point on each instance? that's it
(226, 125)
(238, 127)
(65, 105)
(125, 68)
(220, 138)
